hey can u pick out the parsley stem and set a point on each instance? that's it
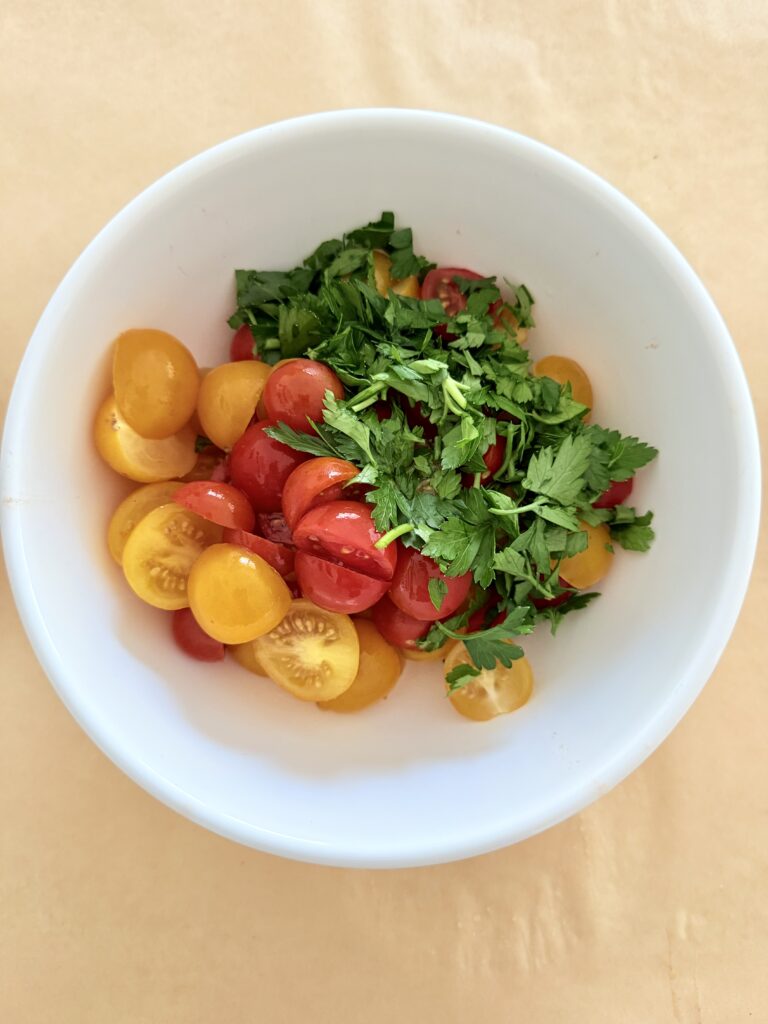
(516, 511)
(453, 391)
(368, 395)
(271, 344)
(393, 534)
(359, 406)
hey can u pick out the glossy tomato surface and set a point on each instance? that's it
(395, 626)
(439, 284)
(410, 586)
(296, 390)
(192, 638)
(343, 531)
(313, 483)
(616, 494)
(218, 502)
(335, 587)
(242, 345)
(259, 466)
(279, 556)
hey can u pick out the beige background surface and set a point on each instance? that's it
(652, 905)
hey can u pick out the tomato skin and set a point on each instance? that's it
(241, 346)
(297, 389)
(493, 459)
(344, 532)
(229, 395)
(259, 466)
(218, 502)
(141, 459)
(279, 556)
(193, 640)
(396, 627)
(273, 526)
(616, 494)
(132, 510)
(378, 671)
(410, 586)
(439, 284)
(496, 691)
(336, 588)
(314, 483)
(588, 567)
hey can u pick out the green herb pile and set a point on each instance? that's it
(469, 376)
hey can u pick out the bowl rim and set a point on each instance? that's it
(501, 830)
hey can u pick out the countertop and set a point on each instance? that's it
(652, 905)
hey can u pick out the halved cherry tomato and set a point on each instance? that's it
(554, 602)
(309, 484)
(132, 510)
(378, 671)
(242, 345)
(495, 691)
(439, 284)
(235, 595)
(279, 556)
(139, 458)
(156, 381)
(312, 653)
(160, 552)
(335, 587)
(396, 627)
(193, 640)
(212, 464)
(566, 371)
(218, 502)
(260, 466)
(245, 655)
(384, 282)
(297, 390)
(439, 654)
(493, 459)
(616, 494)
(228, 398)
(590, 565)
(273, 526)
(410, 586)
(344, 532)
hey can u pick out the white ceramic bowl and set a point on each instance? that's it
(409, 782)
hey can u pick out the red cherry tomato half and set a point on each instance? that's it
(279, 556)
(297, 389)
(343, 531)
(615, 495)
(554, 602)
(241, 346)
(192, 639)
(314, 483)
(395, 626)
(493, 459)
(439, 284)
(218, 502)
(336, 588)
(273, 526)
(259, 466)
(410, 586)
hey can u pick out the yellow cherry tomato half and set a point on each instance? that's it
(236, 596)
(139, 458)
(384, 282)
(245, 655)
(495, 691)
(160, 552)
(228, 398)
(566, 371)
(132, 509)
(312, 653)
(155, 380)
(414, 654)
(377, 673)
(590, 565)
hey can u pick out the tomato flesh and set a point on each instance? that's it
(313, 483)
(279, 556)
(589, 566)
(193, 640)
(273, 526)
(260, 466)
(296, 390)
(439, 284)
(396, 627)
(335, 587)
(344, 532)
(494, 692)
(410, 586)
(218, 502)
(378, 671)
(242, 345)
(616, 494)
(229, 395)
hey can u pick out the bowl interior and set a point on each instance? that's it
(409, 781)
